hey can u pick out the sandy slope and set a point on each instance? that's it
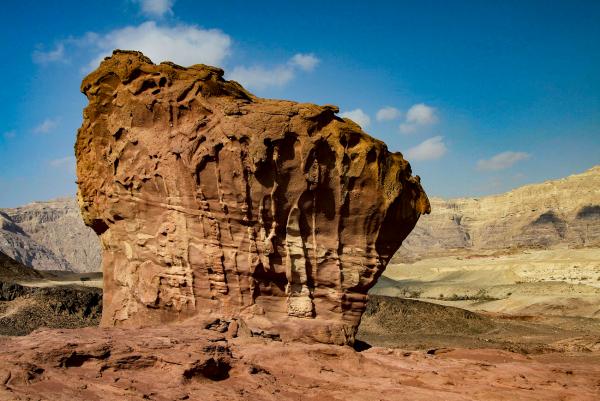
(419, 325)
(562, 282)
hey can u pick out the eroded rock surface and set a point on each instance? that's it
(210, 201)
(191, 363)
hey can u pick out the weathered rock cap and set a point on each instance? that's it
(210, 201)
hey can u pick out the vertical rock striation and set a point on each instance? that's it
(211, 202)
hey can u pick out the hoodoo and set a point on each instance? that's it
(215, 205)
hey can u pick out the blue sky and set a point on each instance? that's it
(480, 96)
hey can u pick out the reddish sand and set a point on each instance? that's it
(179, 363)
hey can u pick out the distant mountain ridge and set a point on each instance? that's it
(49, 236)
(563, 212)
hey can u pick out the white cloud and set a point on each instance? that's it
(63, 161)
(388, 114)
(430, 149)
(306, 62)
(46, 126)
(42, 57)
(10, 134)
(421, 114)
(181, 44)
(501, 161)
(358, 116)
(418, 115)
(156, 8)
(185, 45)
(259, 77)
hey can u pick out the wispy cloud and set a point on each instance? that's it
(421, 114)
(358, 116)
(306, 62)
(46, 126)
(260, 77)
(388, 113)
(10, 134)
(156, 8)
(45, 57)
(430, 149)
(502, 161)
(63, 161)
(417, 116)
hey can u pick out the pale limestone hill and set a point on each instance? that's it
(558, 213)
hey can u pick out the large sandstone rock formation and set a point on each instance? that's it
(49, 236)
(557, 213)
(210, 201)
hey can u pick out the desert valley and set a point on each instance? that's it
(345, 201)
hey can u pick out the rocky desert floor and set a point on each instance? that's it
(30, 299)
(223, 363)
(531, 300)
(500, 326)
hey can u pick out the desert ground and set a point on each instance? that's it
(529, 301)
(563, 282)
(512, 325)
(224, 363)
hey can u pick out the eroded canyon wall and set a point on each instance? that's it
(210, 201)
(49, 235)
